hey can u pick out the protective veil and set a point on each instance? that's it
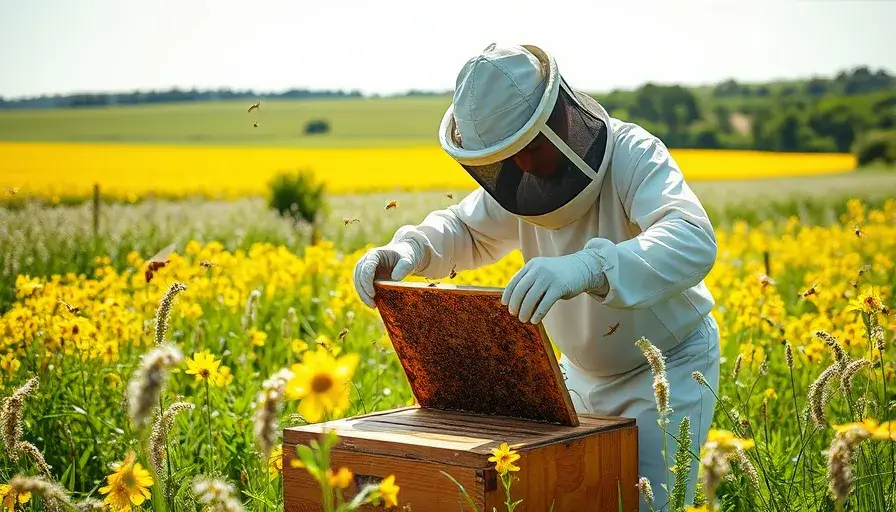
(614, 224)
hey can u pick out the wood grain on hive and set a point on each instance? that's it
(463, 351)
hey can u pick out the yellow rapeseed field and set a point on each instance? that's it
(130, 171)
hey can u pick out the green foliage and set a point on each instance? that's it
(876, 147)
(297, 195)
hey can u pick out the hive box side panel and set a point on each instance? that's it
(583, 475)
(421, 485)
(462, 351)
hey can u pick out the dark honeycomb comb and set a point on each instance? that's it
(463, 351)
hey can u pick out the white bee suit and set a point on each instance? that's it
(626, 253)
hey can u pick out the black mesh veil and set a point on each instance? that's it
(551, 182)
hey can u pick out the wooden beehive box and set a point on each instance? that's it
(481, 378)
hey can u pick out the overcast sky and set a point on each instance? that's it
(63, 46)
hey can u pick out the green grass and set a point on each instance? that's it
(387, 122)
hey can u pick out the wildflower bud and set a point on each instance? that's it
(763, 410)
(700, 379)
(11, 417)
(645, 490)
(763, 367)
(737, 363)
(819, 395)
(849, 374)
(163, 314)
(836, 348)
(788, 355)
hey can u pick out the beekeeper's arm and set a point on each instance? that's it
(470, 234)
(674, 251)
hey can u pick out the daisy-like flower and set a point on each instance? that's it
(128, 486)
(504, 457)
(322, 383)
(868, 301)
(204, 366)
(10, 497)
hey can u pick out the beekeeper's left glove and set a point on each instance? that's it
(544, 280)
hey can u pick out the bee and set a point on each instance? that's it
(391, 204)
(71, 309)
(449, 195)
(158, 261)
(342, 333)
(255, 124)
(766, 280)
(12, 191)
(453, 273)
(858, 231)
(255, 106)
(612, 329)
(864, 268)
(206, 264)
(352, 220)
(811, 291)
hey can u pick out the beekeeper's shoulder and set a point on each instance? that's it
(632, 146)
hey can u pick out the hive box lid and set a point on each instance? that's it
(463, 351)
(446, 437)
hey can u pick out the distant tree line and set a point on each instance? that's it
(816, 115)
(173, 95)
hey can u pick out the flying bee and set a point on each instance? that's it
(12, 191)
(864, 268)
(613, 329)
(858, 231)
(255, 124)
(206, 264)
(766, 280)
(158, 261)
(811, 291)
(342, 334)
(453, 273)
(391, 204)
(449, 195)
(255, 106)
(352, 220)
(71, 309)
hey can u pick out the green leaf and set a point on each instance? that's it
(307, 457)
(462, 490)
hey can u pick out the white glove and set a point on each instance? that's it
(393, 261)
(545, 280)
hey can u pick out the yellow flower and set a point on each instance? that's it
(322, 383)
(258, 337)
(128, 485)
(389, 491)
(223, 377)
(342, 479)
(10, 497)
(727, 440)
(868, 301)
(298, 346)
(203, 365)
(275, 461)
(701, 508)
(771, 394)
(883, 431)
(504, 457)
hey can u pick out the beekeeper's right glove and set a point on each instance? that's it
(392, 261)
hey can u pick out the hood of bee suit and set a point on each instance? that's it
(513, 98)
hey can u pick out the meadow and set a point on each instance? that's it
(169, 390)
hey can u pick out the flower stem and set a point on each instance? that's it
(208, 407)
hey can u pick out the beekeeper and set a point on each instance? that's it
(616, 244)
